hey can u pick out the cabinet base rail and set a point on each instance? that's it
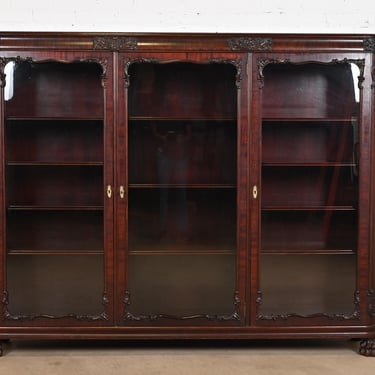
(366, 346)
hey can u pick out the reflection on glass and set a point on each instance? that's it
(172, 160)
(9, 86)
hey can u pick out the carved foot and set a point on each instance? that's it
(367, 347)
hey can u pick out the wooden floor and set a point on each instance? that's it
(181, 358)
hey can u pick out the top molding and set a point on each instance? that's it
(184, 42)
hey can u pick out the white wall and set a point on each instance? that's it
(303, 16)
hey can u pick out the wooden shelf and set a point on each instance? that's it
(52, 118)
(54, 208)
(307, 208)
(55, 163)
(307, 251)
(182, 186)
(309, 164)
(180, 250)
(54, 252)
(313, 120)
(187, 119)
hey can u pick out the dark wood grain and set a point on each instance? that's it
(278, 184)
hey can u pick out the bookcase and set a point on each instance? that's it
(185, 186)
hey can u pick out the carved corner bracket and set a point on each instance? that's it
(115, 43)
(127, 61)
(263, 62)
(369, 45)
(250, 44)
(237, 64)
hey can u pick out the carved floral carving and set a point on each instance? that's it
(369, 45)
(115, 43)
(250, 44)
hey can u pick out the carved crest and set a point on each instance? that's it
(250, 44)
(115, 43)
(369, 45)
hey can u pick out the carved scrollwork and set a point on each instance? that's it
(361, 66)
(234, 316)
(369, 45)
(24, 317)
(250, 44)
(371, 302)
(3, 62)
(115, 43)
(238, 65)
(103, 62)
(263, 62)
(356, 315)
(127, 61)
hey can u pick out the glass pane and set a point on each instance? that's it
(54, 163)
(182, 152)
(56, 285)
(309, 218)
(307, 284)
(182, 189)
(182, 285)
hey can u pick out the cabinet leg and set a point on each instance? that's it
(367, 347)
